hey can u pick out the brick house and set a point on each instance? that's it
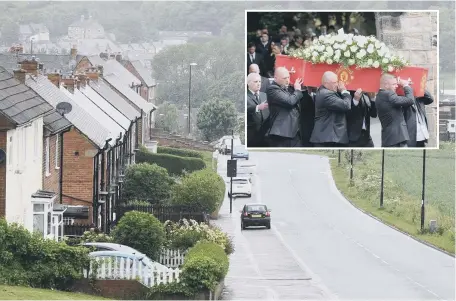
(84, 149)
(24, 118)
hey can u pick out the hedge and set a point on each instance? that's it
(179, 152)
(175, 165)
(205, 265)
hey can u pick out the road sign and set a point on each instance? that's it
(231, 168)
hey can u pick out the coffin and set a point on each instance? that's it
(368, 79)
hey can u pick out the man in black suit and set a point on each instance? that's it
(283, 103)
(330, 129)
(264, 80)
(415, 117)
(253, 57)
(307, 117)
(257, 111)
(358, 120)
(390, 108)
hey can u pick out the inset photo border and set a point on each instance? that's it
(343, 80)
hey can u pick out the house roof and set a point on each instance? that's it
(84, 122)
(18, 102)
(95, 60)
(54, 122)
(113, 66)
(128, 110)
(106, 107)
(144, 73)
(91, 109)
(51, 62)
(131, 95)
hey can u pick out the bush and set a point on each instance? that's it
(30, 260)
(175, 165)
(203, 189)
(141, 231)
(146, 182)
(187, 233)
(206, 264)
(181, 152)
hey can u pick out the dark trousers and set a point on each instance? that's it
(364, 140)
(255, 138)
(279, 141)
(401, 144)
(330, 144)
(420, 144)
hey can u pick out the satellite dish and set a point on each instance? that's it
(64, 108)
(2, 156)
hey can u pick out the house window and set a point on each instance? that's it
(47, 155)
(68, 221)
(57, 152)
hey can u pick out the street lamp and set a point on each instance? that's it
(422, 193)
(189, 93)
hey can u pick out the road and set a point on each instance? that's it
(320, 247)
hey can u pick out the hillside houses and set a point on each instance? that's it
(66, 139)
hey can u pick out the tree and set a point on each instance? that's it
(203, 189)
(141, 231)
(216, 118)
(146, 182)
(168, 117)
(241, 128)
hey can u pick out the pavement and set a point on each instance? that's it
(320, 247)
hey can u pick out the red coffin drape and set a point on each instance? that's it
(368, 79)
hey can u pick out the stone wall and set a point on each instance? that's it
(166, 139)
(413, 36)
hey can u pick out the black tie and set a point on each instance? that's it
(257, 98)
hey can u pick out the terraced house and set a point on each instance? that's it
(88, 132)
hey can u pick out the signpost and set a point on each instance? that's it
(231, 172)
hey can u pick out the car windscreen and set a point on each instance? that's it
(256, 208)
(240, 181)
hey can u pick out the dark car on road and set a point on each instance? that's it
(255, 215)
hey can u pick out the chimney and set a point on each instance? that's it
(92, 74)
(81, 80)
(112, 56)
(55, 78)
(100, 70)
(30, 66)
(119, 57)
(69, 82)
(20, 74)
(74, 52)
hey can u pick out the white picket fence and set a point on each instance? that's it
(114, 268)
(172, 258)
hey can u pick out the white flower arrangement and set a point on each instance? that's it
(349, 50)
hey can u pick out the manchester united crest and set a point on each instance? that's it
(344, 75)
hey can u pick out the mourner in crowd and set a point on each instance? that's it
(332, 102)
(253, 57)
(257, 111)
(264, 80)
(390, 108)
(415, 117)
(283, 103)
(358, 119)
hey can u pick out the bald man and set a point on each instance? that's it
(284, 108)
(332, 102)
(390, 109)
(265, 83)
(257, 112)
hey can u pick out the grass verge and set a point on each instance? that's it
(27, 293)
(402, 190)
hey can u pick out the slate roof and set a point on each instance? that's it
(128, 110)
(113, 66)
(55, 122)
(84, 122)
(144, 73)
(18, 102)
(95, 60)
(131, 95)
(91, 109)
(106, 107)
(51, 62)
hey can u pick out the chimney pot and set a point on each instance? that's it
(20, 75)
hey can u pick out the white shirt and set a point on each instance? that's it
(422, 132)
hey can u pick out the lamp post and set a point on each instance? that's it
(189, 93)
(383, 173)
(422, 193)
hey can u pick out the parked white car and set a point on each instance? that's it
(241, 187)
